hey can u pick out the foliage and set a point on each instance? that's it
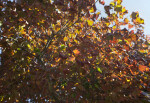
(65, 51)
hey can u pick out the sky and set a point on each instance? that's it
(142, 6)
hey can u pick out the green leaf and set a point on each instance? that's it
(18, 48)
(0, 23)
(36, 50)
(62, 46)
(99, 69)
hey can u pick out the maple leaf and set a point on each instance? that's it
(143, 68)
(76, 51)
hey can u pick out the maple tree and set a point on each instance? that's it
(65, 51)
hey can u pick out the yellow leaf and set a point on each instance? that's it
(30, 9)
(139, 20)
(114, 27)
(128, 80)
(76, 84)
(126, 21)
(28, 70)
(107, 24)
(90, 22)
(76, 41)
(81, 25)
(22, 31)
(17, 100)
(124, 9)
(143, 51)
(98, 13)
(119, 2)
(42, 21)
(112, 3)
(28, 45)
(92, 10)
(2, 97)
(65, 39)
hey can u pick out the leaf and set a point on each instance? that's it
(0, 23)
(126, 21)
(112, 3)
(139, 20)
(118, 8)
(134, 15)
(76, 51)
(125, 59)
(119, 2)
(71, 59)
(143, 68)
(130, 26)
(62, 46)
(99, 69)
(102, 2)
(29, 46)
(124, 10)
(18, 48)
(65, 39)
(90, 22)
(133, 37)
(92, 10)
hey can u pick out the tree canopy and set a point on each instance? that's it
(65, 51)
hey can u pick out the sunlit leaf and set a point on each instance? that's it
(76, 51)
(143, 68)
(65, 39)
(92, 10)
(71, 59)
(139, 20)
(90, 22)
(99, 69)
(112, 3)
(62, 47)
(126, 21)
(119, 2)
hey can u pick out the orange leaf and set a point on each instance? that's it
(143, 68)
(71, 59)
(65, 39)
(126, 59)
(126, 21)
(130, 26)
(76, 52)
(133, 37)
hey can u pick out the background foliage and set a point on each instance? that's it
(65, 51)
